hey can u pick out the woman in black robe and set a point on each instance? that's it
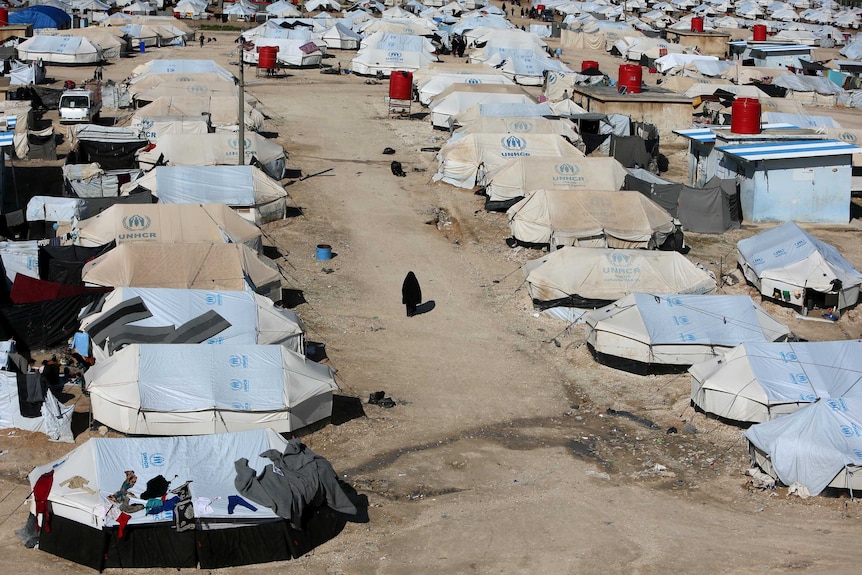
(411, 294)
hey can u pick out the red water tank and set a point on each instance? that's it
(588, 65)
(539, 8)
(631, 77)
(4, 17)
(401, 85)
(267, 57)
(745, 116)
(760, 33)
(697, 24)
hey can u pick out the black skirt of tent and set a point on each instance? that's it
(501, 205)
(572, 301)
(634, 366)
(63, 264)
(75, 541)
(211, 545)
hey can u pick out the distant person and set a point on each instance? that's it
(202, 40)
(97, 74)
(411, 294)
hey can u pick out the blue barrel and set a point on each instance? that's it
(142, 47)
(324, 251)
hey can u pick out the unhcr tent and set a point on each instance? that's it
(340, 37)
(291, 52)
(215, 149)
(761, 381)
(595, 277)
(183, 266)
(497, 125)
(60, 50)
(816, 447)
(789, 264)
(509, 183)
(218, 534)
(466, 161)
(383, 52)
(678, 329)
(458, 98)
(167, 224)
(588, 218)
(222, 109)
(502, 111)
(150, 315)
(438, 83)
(180, 389)
(48, 416)
(253, 194)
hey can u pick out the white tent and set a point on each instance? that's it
(789, 264)
(190, 9)
(283, 9)
(166, 223)
(594, 277)
(502, 111)
(214, 149)
(54, 420)
(510, 125)
(526, 66)
(589, 218)
(291, 52)
(438, 83)
(384, 52)
(101, 463)
(240, 9)
(139, 315)
(458, 98)
(184, 266)
(340, 37)
(678, 329)
(165, 389)
(60, 50)
(221, 107)
(247, 189)
(817, 447)
(521, 175)
(761, 381)
(464, 162)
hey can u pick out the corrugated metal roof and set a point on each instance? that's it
(783, 150)
(786, 48)
(707, 135)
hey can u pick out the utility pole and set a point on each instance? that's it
(241, 115)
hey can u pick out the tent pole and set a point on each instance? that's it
(241, 112)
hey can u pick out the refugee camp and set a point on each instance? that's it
(413, 286)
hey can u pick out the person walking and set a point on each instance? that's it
(97, 74)
(411, 294)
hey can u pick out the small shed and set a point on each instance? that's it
(798, 180)
(772, 54)
(784, 173)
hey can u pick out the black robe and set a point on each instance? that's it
(411, 293)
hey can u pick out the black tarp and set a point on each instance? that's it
(43, 324)
(96, 206)
(63, 264)
(42, 146)
(663, 192)
(712, 209)
(109, 155)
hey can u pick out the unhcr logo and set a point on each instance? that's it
(152, 459)
(394, 56)
(800, 243)
(213, 299)
(473, 81)
(514, 146)
(847, 137)
(137, 226)
(837, 404)
(680, 320)
(568, 175)
(520, 126)
(239, 384)
(238, 360)
(241, 406)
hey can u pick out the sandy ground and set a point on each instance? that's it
(499, 456)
